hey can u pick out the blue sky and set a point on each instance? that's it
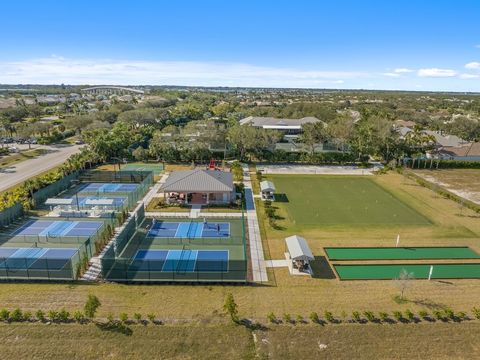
(412, 45)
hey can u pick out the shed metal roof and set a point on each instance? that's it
(267, 186)
(199, 181)
(298, 248)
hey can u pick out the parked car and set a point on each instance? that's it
(13, 149)
(79, 142)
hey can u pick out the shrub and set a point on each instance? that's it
(398, 315)
(314, 317)
(369, 315)
(53, 315)
(383, 316)
(16, 315)
(79, 316)
(231, 307)
(151, 317)
(410, 315)
(423, 314)
(461, 315)
(27, 315)
(438, 314)
(63, 316)
(271, 318)
(137, 317)
(4, 315)
(40, 314)
(110, 317)
(123, 317)
(287, 318)
(299, 319)
(329, 316)
(356, 316)
(476, 312)
(450, 314)
(91, 306)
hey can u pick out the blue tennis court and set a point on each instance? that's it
(117, 200)
(58, 228)
(109, 188)
(35, 258)
(180, 261)
(189, 229)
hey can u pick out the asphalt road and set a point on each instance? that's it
(17, 173)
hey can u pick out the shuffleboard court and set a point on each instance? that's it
(341, 200)
(155, 168)
(420, 271)
(109, 188)
(184, 260)
(58, 228)
(165, 229)
(400, 253)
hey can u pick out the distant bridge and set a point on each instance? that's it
(108, 90)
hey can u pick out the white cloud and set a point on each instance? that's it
(474, 65)
(435, 72)
(57, 69)
(469, 76)
(403, 71)
(391, 74)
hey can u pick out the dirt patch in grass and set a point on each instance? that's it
(462, 182)
(408, 341)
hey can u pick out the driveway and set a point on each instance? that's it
(56, 155)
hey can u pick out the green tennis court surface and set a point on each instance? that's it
(420, 271)
(345, 200)
(155, 168)
(400, 253)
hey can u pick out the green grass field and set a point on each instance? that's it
(400, 253)
(420, 271)
(334, 200)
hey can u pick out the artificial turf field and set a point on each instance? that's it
(335, 200)
(400, 253)
(420, 271)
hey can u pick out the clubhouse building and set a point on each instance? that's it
(199, 187)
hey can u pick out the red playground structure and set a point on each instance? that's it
(212, 165)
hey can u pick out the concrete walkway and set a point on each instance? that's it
(276, 263)
(195, 211)
(95, 269)
(259, 269)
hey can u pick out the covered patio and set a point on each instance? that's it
(199, 187)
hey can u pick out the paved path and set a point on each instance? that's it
(276, 263)
(256, 249)
(15, 174)
(195, 211)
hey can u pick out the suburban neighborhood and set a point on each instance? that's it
(258, 180)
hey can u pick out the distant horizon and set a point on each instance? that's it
(230, 87)
(372, 45)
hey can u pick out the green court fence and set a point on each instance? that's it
(93, 242)
(48, 272)
(124, 270)
(54, 189)
(11, 214)
(144, 179)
